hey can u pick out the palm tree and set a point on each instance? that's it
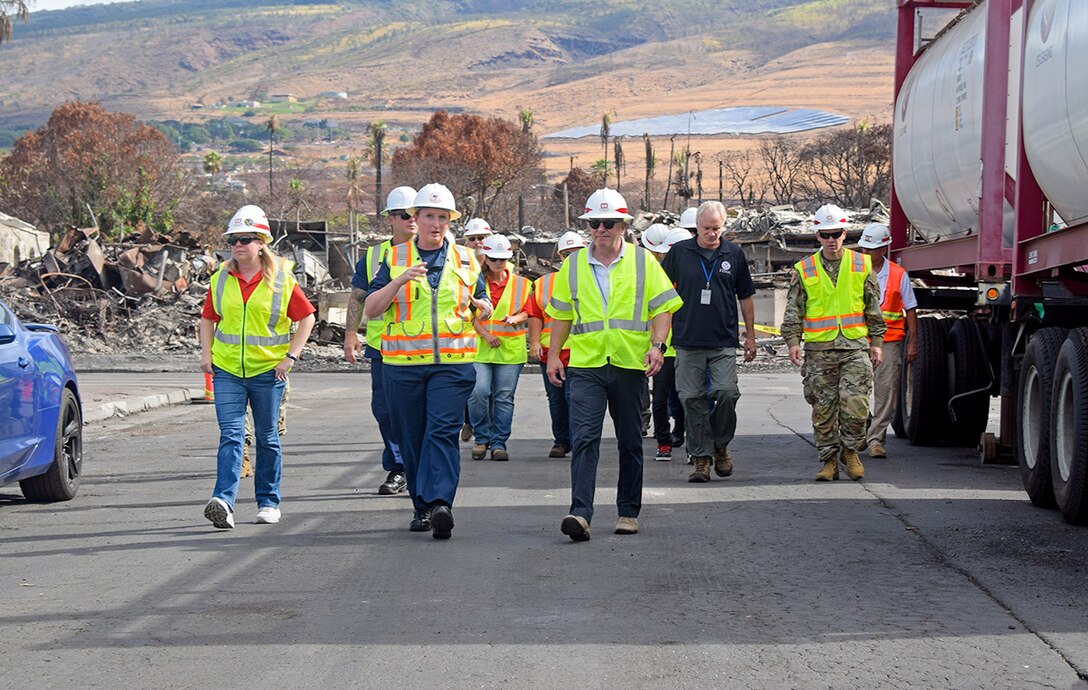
(213, 163)
(602, 168)
(272, 125)
(650, 163)
(526, 117)
(10, 9)
(621, 162)
(606, 127)
(353, 193)
(377, 148)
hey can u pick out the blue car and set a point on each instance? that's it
(41, 417)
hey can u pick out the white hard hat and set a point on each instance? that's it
(496, 246)
(249, 220)
(829, 217)
(687, 218)
(569, 240)
(606, 204)
(653, 237)
(435, 195)
(675, 235)
(875, 235)
(399, 199)
(477, 226)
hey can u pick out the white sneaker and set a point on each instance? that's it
(268, 515)
(219, 513)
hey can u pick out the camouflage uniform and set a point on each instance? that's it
(838, 375)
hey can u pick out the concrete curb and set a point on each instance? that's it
(129, 406)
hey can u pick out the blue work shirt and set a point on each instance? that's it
(691, 267)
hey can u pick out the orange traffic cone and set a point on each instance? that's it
(209, 392)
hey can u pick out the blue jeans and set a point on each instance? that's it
(263, 394)
(559, 407)
(591, 391)
(378, 407)
(491, 405)
(427, 412)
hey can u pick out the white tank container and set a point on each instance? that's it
(1056, 103)
(937, 138)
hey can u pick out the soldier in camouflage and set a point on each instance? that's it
(833, 306)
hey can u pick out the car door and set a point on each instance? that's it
(18, 411)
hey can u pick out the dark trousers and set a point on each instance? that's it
(591, 391)
(559, 408)
(666, 402)
(428, 409)
(378, 407)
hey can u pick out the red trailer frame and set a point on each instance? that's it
(1036, 255)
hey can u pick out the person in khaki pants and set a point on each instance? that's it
(899, 306)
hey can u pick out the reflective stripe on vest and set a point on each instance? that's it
(425, 326)
(512, 339)
(892, 305)
(834, 307)
(252, 336)
(543, 289)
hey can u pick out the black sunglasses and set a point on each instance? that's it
(830, 235)
(233, 240)
(404, 215)
(608, 224)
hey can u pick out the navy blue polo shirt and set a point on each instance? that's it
(435, 260)
(712, 325)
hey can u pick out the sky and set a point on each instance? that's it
(60, 4)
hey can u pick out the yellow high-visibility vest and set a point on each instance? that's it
(512, 339)
(834, 308)
(375, 255)
(542, 293)
(638, 291)
(425, 326)
(253, 336)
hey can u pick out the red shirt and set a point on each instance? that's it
(535, 312)
(298, 308)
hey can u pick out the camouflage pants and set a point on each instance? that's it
(837, 384)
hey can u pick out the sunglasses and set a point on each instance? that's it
(240, 240)
(608, 224)
(403, 215)
(830, 235)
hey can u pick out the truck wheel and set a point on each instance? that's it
(61, 481)
(1069, 428)
(966, 372)
(924, 395)
(1033, 392)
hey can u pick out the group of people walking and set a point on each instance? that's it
(449, 329)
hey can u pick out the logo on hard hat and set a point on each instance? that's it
(248, 221)
(604, 205)
(435, 197)
(830, 217)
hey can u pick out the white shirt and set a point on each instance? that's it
(905, 289)
(601, 273)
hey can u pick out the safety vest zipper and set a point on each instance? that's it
(242, 350)
(434, 320)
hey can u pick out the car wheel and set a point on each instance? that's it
(61, 482)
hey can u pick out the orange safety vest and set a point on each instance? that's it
(892, 306)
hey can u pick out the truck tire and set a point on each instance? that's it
(61, 480)
(1069, 428)
(967, 372)
(924, 395)
(1033, 396)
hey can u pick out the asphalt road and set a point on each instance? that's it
(935, 572)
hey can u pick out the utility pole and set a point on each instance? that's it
(566, 208)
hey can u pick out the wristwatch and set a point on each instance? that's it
(291, 357)
(661, 346)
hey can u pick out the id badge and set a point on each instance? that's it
(704, 297)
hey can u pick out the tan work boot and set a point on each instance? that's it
(854, 469)
(702, 470)
(247, 466)
(876, 450)
(479, 451)
(829, 472)
(723, 462)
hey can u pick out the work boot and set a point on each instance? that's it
(701, 474)
(558, 451)
(676, 439)
(723, 462)
(829, 472)
(394, 483)
(479, 451)
(876, 450)
(247, 466)
(466, 432)
(854, 470)
(576, 527)
(500, 454)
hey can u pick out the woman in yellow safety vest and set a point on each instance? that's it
(500, 351)
(428, 291)
(246, 344)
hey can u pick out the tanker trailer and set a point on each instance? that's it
(990, 214)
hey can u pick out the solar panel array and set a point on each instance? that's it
(741, 120)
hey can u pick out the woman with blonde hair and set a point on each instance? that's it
(246, 344)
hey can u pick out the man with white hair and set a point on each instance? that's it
(711, 275)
